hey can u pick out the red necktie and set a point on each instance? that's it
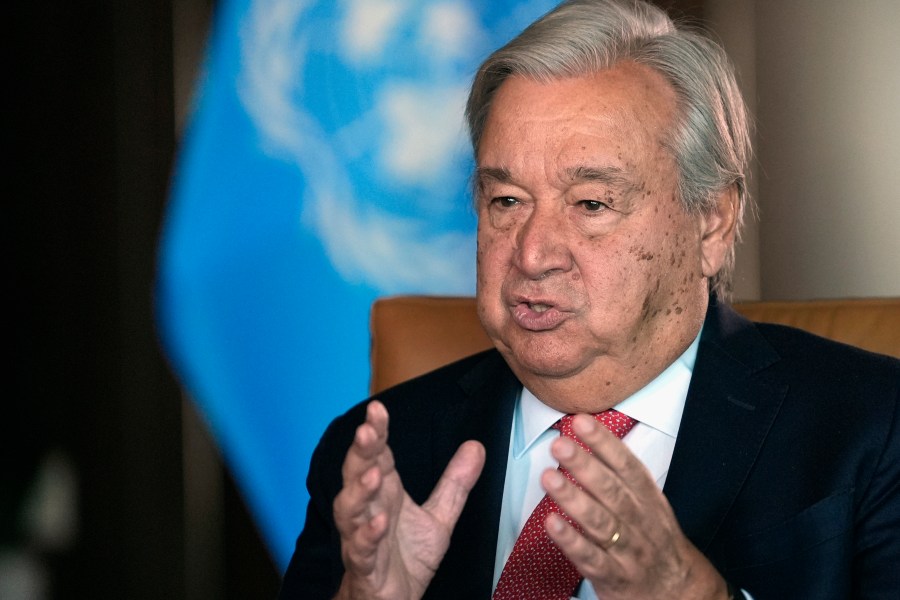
(537, 569)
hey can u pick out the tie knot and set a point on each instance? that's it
(618, 423)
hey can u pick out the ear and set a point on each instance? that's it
(717, 231)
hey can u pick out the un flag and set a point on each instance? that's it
(326, 164)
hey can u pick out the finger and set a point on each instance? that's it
(369, 462)
(607, 500)
(360, 547)
(593, 475)
(356, 503)
(369, 443)
(452, 490)
(612, 474)
(618, 493)
(597, 521)
(590, 560)
(613, 453)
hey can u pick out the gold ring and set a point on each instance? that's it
(612, 541)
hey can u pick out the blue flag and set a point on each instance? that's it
(326, 164)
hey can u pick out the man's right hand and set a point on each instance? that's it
(391, 547)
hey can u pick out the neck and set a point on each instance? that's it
(605, 382)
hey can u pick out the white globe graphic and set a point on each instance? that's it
(366, 98)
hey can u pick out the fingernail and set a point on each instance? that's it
(370, 478)
(555, 480)
(555, 523)
(565, 448)
(584, 424)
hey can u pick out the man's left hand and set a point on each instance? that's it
(631, 546)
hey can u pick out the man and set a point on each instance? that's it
(611, 150)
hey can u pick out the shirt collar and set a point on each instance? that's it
(532, 418)
(659, 404)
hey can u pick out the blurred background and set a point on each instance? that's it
(112, 484)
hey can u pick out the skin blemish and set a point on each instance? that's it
(645, 308)
(555, 168)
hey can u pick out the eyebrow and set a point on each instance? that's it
(497, 173)
(613, 176)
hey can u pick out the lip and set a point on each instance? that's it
(529, 319)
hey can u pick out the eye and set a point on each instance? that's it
(505, 211)
(504, 201)
(593, 205)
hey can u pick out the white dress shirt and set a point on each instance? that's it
(657, 407)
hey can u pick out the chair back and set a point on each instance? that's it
(412, 335)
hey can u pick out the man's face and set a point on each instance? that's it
(591, 275)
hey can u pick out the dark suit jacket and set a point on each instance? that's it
(786, 471)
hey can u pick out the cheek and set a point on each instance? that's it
(480, 265)
(489, 257)
(490, 273)
(642, 268)
(672, 276)
(613, 277)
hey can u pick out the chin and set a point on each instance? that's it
(542, 362)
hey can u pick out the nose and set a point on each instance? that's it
(541, 244)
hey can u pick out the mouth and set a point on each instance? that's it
(536, 315)
(538, 307)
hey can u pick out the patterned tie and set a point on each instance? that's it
(537, 569)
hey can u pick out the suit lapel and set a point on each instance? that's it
(729, 410)
(484, 413)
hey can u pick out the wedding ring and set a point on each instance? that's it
(612, 541)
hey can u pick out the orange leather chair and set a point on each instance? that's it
(412, 335)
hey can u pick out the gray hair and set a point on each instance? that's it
(710, 139)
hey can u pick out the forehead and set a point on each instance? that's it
(630, 106)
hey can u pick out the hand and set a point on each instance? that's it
(391, 547)
(631, 545)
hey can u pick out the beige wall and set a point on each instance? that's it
(731, 21)
(825, 83)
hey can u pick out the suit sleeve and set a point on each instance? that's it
(876, 573)
(316, 569)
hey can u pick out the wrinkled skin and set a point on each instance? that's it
(591, 280)
(591, 275)
(391, 546)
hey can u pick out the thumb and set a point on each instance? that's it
(452, 490)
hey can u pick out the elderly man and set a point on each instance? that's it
(611, 149)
